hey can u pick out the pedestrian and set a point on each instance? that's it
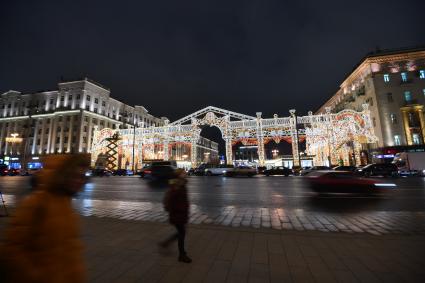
(42, 241)
(176, 203)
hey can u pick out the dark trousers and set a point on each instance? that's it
(179, 236)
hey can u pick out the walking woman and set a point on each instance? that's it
(176, 203)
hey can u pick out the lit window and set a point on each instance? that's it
(404, 77)
(422, 74)
(393, 118)
(386, 78)
(423, 91)
(416, 139)
(397, 140)
(88, 97)
(407, 96)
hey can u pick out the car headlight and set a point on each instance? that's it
(360, 170)
(224, 171)
(385, 185)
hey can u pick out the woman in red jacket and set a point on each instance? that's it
(177, 204)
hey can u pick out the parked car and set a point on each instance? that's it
(297, 169)
(241, 171)
(14, 172)
(314, 168)
(100, 173)
(378, 169)
(345, 182)
(281, 170)
(218, 170)
(122, 172)
(345, 168)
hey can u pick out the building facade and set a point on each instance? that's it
(392, 83)
(63, 120)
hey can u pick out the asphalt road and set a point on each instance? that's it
(258, 192)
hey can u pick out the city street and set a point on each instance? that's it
(270, 202)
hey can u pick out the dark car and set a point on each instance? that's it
(122, 172)
(345, 182)
(100, 173)
(159, 172)
(378, 169)
(14, 172)
(345, 168)
(4, 170)
(278, 171)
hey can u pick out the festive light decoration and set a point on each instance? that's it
(14, 138)
(328, 136)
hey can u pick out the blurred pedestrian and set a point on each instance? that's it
(42, 241)
(176, 203)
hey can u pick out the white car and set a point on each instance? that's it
(218, 170)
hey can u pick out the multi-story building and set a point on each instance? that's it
(63, 120)
(392, 82)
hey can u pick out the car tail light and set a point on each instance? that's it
(148, 172)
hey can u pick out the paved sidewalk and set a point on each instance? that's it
(126, 251)
(371, 222)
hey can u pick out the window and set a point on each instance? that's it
(95, 110)
(393, 118)
(390, 97)
(66, 140)
(78, 96)
(59, 129)
(38, 142)
(60, 118)
(58, 139)
(85, 128)
(407, 96)
(88, 97)
(404, 77)
(86, 119)
(103, 103)
(374, 121)
(51, 101)
(386, 78)
(416, 139)
(422, 74)
(62, 98)
(96, 100)
(39, 132)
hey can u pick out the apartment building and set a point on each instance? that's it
(392, 83)
(62, 120)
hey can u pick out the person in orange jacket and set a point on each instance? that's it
(42, 241)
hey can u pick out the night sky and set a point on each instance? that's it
(175, 57)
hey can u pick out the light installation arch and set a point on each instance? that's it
(329, 137)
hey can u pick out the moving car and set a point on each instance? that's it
(241, 171)
(159, 172)
(345, 168)
(4, 170)
(281, 170)
(345, 182)
(378, 169)
(218, 170)
(314, 168)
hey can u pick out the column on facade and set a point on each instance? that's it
(80, 131)
(227, 136)
(71, 125)
(357, 151)
(405, 115)
(89, 134)
(49, 137)
(34, 143)
(294, 137)
(419, 109)
(139, 142)
(260, 140)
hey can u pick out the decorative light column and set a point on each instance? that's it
(166, 141)
(193, 141)
(294, 136)
(227, 136)
(260, 140)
